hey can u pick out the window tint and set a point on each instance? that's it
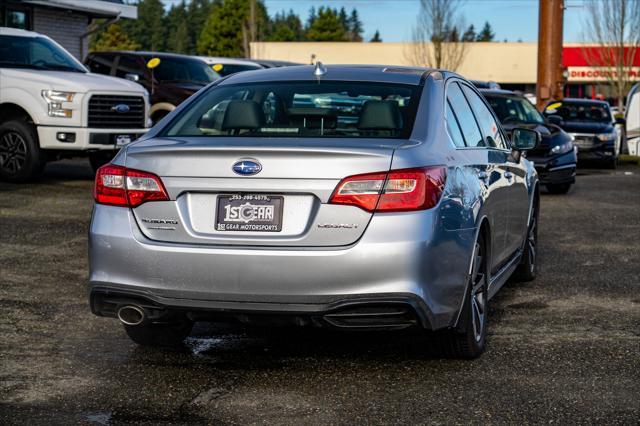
(228, 69)
(301, 109)
(454, 128)
(129, 65)
(460, 107)
(487, 123)
(183, 71)
(100, 64)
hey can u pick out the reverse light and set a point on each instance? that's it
(395, 191)
(119, 186)
(54, 99)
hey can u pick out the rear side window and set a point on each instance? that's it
(464, 116)
(302, 109)
(454, 128)
(487, 122)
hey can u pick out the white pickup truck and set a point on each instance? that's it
(52, 107)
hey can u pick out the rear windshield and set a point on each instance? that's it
(579, 111)
(301, 109)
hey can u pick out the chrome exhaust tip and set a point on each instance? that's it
(131, 315)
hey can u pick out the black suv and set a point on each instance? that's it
(174, 79)
(555, 157)
(592, 125)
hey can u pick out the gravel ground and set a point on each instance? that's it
(562, 349)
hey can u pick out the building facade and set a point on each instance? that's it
(65, 21)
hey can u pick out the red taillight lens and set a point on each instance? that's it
(396, 191)
(119, 186)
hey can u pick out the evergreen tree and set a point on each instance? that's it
(376, 37)
(197, 13)
(355, 26)
(177, 25)
(112, 39)
(148, 30)
(344, 18)
(312, 17)
(285, 27)
(469, 34)
(228, 27)
(326, 26)
(487, 33)
(453, 35)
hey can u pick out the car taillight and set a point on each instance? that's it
(119, 186)
(395, 191)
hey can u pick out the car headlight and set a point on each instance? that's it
(562, 148)
(605, 137)
(55, 99)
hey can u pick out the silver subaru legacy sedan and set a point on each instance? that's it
(352, 197)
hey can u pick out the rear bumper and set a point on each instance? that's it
(396, 261)
(372, 311)
(86, 139)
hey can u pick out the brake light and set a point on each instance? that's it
(395, 191)
(119, 186)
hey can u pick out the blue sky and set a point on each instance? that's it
(510, 19)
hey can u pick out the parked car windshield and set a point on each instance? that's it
(301, 109)
(578, 111)
(35, 53)
(183, 71)
(514, 109)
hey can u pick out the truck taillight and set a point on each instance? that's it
(395, 191)
(119, 186)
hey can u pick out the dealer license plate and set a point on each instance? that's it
(249, 212)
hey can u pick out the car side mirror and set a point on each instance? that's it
(555, 119)
(132, 77)
(621, 120)
(524, 139)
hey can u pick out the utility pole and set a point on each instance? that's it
(550, 25)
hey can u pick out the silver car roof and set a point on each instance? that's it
(362, 73)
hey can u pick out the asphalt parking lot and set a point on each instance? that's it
(562, 349)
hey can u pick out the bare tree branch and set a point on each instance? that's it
(433, 44)
(612, 30)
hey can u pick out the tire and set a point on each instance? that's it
(528, 267)
(467, 341)
(160, 334)
(612, 163)
(21, 158)
(558, 188)
(100, 158)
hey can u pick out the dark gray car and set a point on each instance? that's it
(354, 197)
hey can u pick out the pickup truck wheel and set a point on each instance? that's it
(171, 334)
(21, 159)
(100, 158)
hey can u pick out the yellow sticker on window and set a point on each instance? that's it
(217, 67)
(554, 105)
(153, 62)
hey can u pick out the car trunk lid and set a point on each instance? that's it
(285, 204)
